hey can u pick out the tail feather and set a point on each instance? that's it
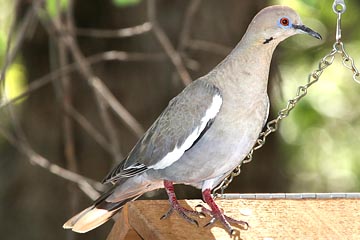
(71, 222)
(112, 201)
(94, 218)
(95, 215)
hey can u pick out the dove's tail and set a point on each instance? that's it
(108, 204)
(97, 214)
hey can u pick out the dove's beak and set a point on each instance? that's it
(307, 30)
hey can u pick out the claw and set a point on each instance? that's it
(167, 214)
(198, 206)
(244, 225)
(200, 212)
(218, 214)
(211, 222)
(247, 225)
(174, 205)
(182, 212)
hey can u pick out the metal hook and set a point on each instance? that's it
(339, 6)
(338, 27)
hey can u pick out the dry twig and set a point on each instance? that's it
(64, 34)
(10, 54)
(167, 45)
(88, 127)
(40, 161)
(67, 69)
(85, 69)
(95, 82)
(117, 33)
(209, 47)
(188, 20)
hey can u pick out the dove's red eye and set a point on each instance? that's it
(284, 21)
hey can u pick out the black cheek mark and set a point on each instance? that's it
(268, 40)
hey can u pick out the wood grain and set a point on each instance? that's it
(268, 219)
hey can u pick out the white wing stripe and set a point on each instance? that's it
(174, 155)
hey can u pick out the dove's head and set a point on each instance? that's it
(276, 23)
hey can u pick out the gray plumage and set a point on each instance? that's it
(171, 129)
(205, 131)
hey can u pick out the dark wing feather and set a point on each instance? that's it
(182, 117)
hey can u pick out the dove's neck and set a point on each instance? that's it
(246, 69)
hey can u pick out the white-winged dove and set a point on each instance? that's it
(205, 131)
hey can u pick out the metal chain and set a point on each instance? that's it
(273, 125)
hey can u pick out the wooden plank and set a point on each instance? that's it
(268, 219)
(122, 229)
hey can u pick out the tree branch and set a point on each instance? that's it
(209, 47)
(184, 36)
(11, 53)
(42, 162)
(105, 56)
(167, 45)
(95, 82)
(117, 33)
(86, 125)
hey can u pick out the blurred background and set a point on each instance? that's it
(84, 79)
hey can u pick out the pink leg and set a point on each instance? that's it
(174, 205)
(217, 213)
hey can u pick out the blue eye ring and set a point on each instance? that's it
(284, 22)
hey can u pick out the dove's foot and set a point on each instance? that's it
(218, 215)
(174, 205)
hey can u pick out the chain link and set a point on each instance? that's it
(348, 61)
(273, 125)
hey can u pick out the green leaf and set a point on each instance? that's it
(126, 3)
(15, 81)
(52, 9)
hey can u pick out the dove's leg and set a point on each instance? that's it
(218, 215)
(175, 205)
